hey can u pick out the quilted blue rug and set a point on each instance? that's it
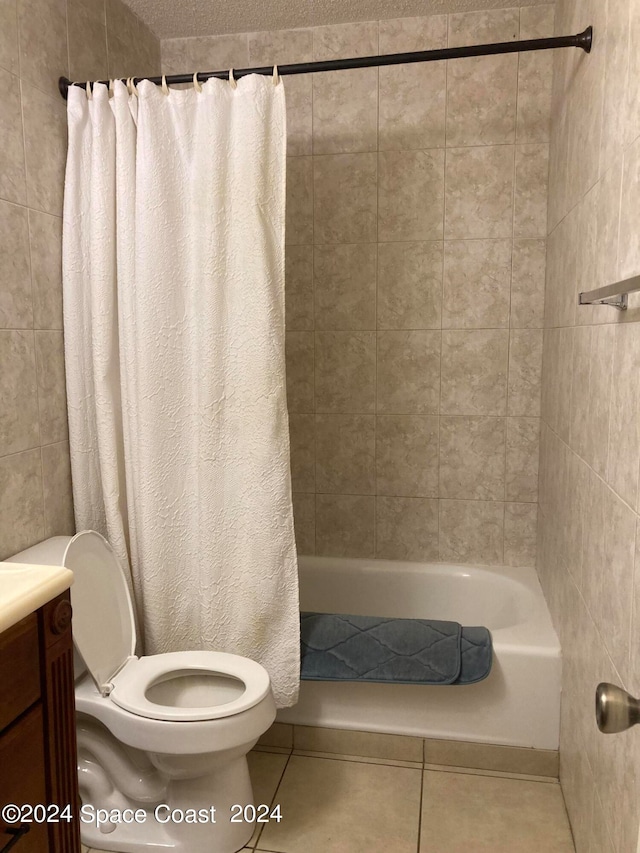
(339, 647)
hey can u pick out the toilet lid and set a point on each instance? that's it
(104, 629)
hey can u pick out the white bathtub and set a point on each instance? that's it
(517, 705)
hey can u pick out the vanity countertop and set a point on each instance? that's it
(25, 587)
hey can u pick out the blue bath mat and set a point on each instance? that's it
(339, 647)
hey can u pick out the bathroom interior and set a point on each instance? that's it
(463, 434)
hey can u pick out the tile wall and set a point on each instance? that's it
(40, 40)
(416, 223)
(589, 551)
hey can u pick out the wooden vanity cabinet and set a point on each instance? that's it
(38, 757)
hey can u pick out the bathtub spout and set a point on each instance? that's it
(138, 780)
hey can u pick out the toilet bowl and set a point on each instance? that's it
(162, 739)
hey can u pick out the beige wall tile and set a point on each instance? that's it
(19, 412)
(535, 72)
(16, 306)
(9, 35)
(299, 211)
(410, 195)
(345, 525)
(367, 744)
(525, 371)
(13, 185)
(408, 372)
(299, 353)
(345, 111)
(345, 286)
(481, 100)
(523, 438)
(42, 33)
(52, 397)
(530, 206)
(122, 21)
(624, 425)
(299, 95)
(341, 41)
(471, 532)
(598, 409)
(345, 372)
(477, 278)
(520, 526)
(304, 519)
(629, 247)
(205, 53)
(474, 372)
(484, 26)
(21, 518)
(491, 756)
(56, 485)
(472, 458)
(406, 529)
(302, 437)
(479, 192)
(298, 275)
(87, 42)
(527, 284)
(407, 455)
(123, 58)
(45, 241)
(281, 46)
(409, 285)
(633, 107)
(45, 133)
(345, 454)
(345, 198)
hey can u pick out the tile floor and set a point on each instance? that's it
(349, 804)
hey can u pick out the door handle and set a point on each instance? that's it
(616, 710)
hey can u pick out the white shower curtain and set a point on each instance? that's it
(173, 256)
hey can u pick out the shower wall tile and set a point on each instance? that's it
(302, 438)
(299, 353)
(304, 519)
(39, 41)
(406, 529)
(408, 372)
(345, 454)
(9, 36)
(409, 285)
(345, 372)
(298, 285)
(535, 74)
(412, 97)
(345, 525)
(472, 458)
(21, 507)
(485, 26)
(525, 372)
(474, 372)
(345, 111)
(205, 53)
(629, 261)
(299, 204)
(490, 83)
(13, 185)
(45, 135)
(42, 34)
(520, 527)
(340, 41)
(410, 195)
(407, 455)
(527, 284)
(479, 192)
(523, 437)
(472, 532)
(477, 282)
(530, 206)
(16, 306)
(345, 286)
(19, 413)
(56, 485)
(345, 198)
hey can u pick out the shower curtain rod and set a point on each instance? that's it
(583, 40)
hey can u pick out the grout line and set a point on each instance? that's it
(420, 803)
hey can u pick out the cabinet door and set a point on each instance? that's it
(23, 778)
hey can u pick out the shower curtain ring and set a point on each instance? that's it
(276, 76)
(232, 79)
(89, 91)
(165, 88)
(196, 84)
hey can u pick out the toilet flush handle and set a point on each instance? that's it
(616, 710)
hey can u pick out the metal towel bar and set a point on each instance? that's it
(615, 295)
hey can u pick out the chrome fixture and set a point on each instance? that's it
(616, 710)
(613, 294)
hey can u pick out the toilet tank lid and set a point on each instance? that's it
(103, 622)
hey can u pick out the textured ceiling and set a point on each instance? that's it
(180, 18)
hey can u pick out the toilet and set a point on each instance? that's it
(162, 739)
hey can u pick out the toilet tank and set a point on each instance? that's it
(50, 553)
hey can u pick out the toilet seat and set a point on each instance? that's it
(130, 685)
